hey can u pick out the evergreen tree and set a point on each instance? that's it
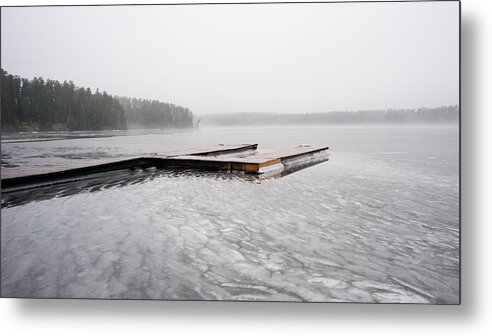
(38, 104)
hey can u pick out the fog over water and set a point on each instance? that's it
(246, 58)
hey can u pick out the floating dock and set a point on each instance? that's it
(242, 158)
(275, 162)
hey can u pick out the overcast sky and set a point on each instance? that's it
(236, 58)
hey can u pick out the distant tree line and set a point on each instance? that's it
(146, 113)
(48, 105)
(439, 115)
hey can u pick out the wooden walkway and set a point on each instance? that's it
(16, 172)
(222, 157)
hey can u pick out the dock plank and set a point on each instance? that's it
(259, 158)
(210, 150)
(14, 172)
(250, 164)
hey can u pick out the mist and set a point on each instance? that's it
(278, 59)
(438, 115)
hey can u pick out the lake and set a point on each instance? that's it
(378, 222)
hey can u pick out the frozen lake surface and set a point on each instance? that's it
(378, 222)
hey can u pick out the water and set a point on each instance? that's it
(379, 222)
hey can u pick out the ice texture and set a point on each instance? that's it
(379, 222)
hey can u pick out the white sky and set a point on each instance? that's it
(235, 58)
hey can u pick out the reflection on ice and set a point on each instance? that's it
(119, 178)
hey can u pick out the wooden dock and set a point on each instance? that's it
(255, 164)
(105, 164)
(243, 158)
